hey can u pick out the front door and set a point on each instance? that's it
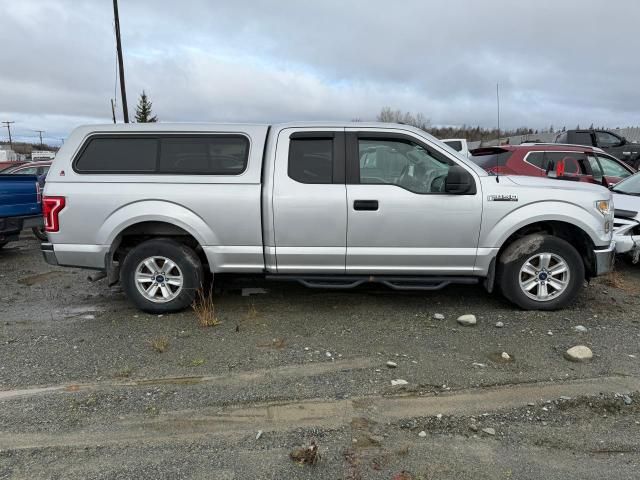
(400, 220)
(310, 202)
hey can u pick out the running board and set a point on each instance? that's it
(343, 282)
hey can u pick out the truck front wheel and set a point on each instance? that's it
(161, 276)
(540, 272)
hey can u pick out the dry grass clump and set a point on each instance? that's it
(160, 344)
(205, 310)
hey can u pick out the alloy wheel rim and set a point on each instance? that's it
(544, 276)
(159, 279)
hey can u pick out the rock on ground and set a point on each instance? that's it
(467, 320)
(579, 353)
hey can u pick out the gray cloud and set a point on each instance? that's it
(558, 63)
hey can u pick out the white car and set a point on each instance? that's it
(459, 145)
(626, 200)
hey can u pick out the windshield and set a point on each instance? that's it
(630, 185)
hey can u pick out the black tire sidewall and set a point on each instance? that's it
(184, 257)
(510, 283)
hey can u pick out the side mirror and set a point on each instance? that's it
(459, 182)
(623, 141)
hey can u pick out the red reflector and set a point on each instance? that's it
(560, 169)
(38, 193)
(51, 207)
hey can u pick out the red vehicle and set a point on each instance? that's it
(565, 162)
(5, 165)
(29, 168)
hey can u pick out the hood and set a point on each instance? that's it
(552, 183)
(626, 202)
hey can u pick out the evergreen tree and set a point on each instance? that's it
(143, 110)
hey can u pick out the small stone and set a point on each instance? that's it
(391, 364)
(479, 365)
(438, 316)
(473, 427)
(505, 356)
(579, 353)
(489, 431)
(581, 328)
(550, 333)
(422, 434)
(439, 416)
(531, 404)
(399, 381)
(328, 354)
(499, 324)
(627, 400)
(632, 356)
(306, 349)
(259, 434)
(467, 320)
(565, 398)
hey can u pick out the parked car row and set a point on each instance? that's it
(576, 163)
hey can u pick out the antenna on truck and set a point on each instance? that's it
(497, 157)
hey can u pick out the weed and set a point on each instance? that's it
(125, 372)
(204, 309)
(252, 313)
(196, 362)
(160, 344)
(308, 455)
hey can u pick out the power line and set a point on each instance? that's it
(123, 90)
(8, 125)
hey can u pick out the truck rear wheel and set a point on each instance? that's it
(541, 272)
(161, 276)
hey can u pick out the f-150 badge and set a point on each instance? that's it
(502, 198)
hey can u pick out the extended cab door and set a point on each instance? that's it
(310, 201)
(400, 220)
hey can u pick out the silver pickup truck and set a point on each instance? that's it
(331, 205)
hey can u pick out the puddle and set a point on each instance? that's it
(85, 312)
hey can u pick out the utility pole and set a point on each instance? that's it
(123, 90)
(8, 125)
(40, 132)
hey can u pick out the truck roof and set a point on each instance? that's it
(189, 126)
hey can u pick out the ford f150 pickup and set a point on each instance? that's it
(331, 205)
(20, 205)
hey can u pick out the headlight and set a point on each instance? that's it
(603, 206)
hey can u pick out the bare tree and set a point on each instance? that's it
(398, 116)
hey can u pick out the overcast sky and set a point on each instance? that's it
(559, 62)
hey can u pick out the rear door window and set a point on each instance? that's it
(311, 160)
(575, 163)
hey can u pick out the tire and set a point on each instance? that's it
(539, 264)
(40, 234)
(172, 267)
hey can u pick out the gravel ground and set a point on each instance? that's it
(84, 393)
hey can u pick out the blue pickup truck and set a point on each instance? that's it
(20, 206)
